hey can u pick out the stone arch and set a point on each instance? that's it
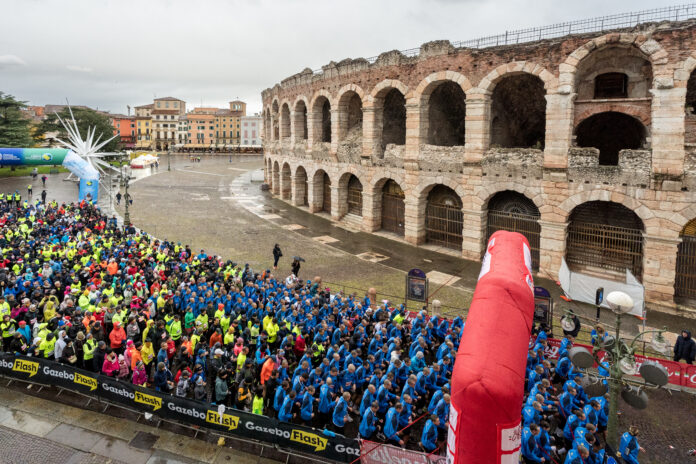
(449, 111)
(321, 190)
(349, 101)
(515, 212)
(518, 111)
(483, 197)
(610, 132)
(642, 211)
(488, 83)
(319, 123)
(443, 216)
(389, 206)
(300, 190)
(650, 48)
(276, 178)
(605, 237)
(275, 119)
(423, 189)
(285, 120)
(388, 100)
(381, 89)
(300, 121)
(683, 71)
(427, 85)
(286, 181)
(267, 125)
(377, 182)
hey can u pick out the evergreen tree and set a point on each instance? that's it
(15, 127)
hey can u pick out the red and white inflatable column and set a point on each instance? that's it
(489, 373)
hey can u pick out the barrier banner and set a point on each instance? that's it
(182, 410)
(690, 377)
(47, 372)
(378, 453)
(678, 372)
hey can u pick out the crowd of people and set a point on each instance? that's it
(560, 422)
(78, 289)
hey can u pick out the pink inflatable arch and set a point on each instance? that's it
(488, 378)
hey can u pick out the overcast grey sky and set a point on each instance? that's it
(113, 53)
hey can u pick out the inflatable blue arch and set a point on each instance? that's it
(88, 175)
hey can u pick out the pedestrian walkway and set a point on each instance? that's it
(39, 430)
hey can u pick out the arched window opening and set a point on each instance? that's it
(444, 220)
(285, 182)
(446, 115)
(616, 71)
(326, 196)
(276, 178)
(690, 109)
(350, 117)
(300, 121)
(301, 187)
(514, 212)
(276, 123)
(610, 133)
(518, 112)
(611, 85)
(355, 202)
(285, 122)
(326, 121)
(605, 236)
(394, 119)
(393, 208)
(685, 279)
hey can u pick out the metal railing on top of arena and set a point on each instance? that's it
(582, 26)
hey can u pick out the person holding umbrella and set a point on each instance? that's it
(276, 255)
(296, 265)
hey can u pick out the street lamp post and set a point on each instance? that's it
(620, 357)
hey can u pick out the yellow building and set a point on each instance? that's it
(144, 132)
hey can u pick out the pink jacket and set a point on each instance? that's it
(139, 376)
(123, 370)
(110, 367)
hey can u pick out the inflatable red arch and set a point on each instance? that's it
(489, 373)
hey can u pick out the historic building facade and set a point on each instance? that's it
(585, 144)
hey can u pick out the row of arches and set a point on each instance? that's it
(611, 82)
(601, 236)
(517, 119)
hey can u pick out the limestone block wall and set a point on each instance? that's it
(656, 181)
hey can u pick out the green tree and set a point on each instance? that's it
(15, 127)
(85, 118)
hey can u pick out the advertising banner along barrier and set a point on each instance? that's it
(678, 372)
(181, 410)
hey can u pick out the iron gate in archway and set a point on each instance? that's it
(443, 225)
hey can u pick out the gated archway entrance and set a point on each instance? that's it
(515, 212)
(326, 197)
(301, 187)
(444, 220)
(605, 236)
(354, 196)
(393, 208)
(685, 280)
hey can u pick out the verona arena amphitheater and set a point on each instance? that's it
(586, 144)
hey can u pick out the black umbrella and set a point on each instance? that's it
(299, 258)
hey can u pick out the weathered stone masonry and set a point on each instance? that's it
(572, 135)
